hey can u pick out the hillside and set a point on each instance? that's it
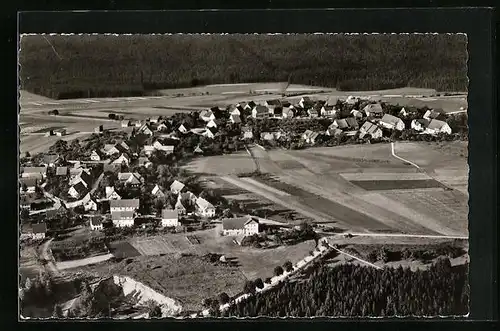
(92, 66)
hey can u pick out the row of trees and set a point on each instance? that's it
(98, 66)
(350, 290)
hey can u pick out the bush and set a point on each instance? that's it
(224, 298)
(249, 287)
(278, 271)
(259, 283)
(288, 266)
(267, 280)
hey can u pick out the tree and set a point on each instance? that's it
(224, 298)
(58, 312)
(24, 187)
(267, 280)
(288, 266)
(278, 270)
(259, 283)
(249, 287)
(154, 309)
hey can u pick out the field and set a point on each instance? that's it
(29, 265)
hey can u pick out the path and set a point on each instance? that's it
(357, 258)
(400, 158)
(404, 235)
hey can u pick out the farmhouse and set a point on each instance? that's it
(392, 122)
(35, 231)
(36, 172)
(91, 204)
(110, 149)
(306, 103)
(310, 136)
(145, 129)
(28, 185)
(260, 111)
(126, 123)
(273, 103)
(313, 113)
(123, 218)
(436, 126)
(235, 119)
(419, 124)
(132, 179)
(60, 132)
(328, 111)
(180, 207)
(123, 205)
(111, 194)
(207, 115)
(157, 192)
(177, 187)
(122, 159)
(61, 171)
(348, 123)
(168, 149)
(183, 128)
(211, 124)
(373, 110)
(437, 114)
(288, 112)
(96, 223)
(205, 208)
(238, 226)
(169, 218)
(96, 155)
(371, 130)
(77, 190)
(80, 175)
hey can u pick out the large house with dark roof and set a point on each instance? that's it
(237, 226)
(169, 218)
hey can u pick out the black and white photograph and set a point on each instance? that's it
(243, 175)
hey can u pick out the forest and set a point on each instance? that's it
(109, 66)
(350, 290)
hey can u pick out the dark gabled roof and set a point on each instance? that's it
(79, 188)
(260, 109)
(39, 228)
(237, 222)
(252, 104)
(274, 102)
(96, 220)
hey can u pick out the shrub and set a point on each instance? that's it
(288, 266)
(259, 283)
(278, 270)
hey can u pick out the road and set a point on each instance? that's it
(402, 235)
(357, 258)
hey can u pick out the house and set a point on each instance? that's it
(211, 124)
(132, 179)
(34, 231)
(96, 223)
(60, 132)
(260, 111)
(419, 124)
(162, 127)
(348, 123)
(99, 129)
(123, 219)
(148, 149)
(183, 128)
(236, 110)
(205, 208)
(169, 218)
(89, 205)
(137, 123)
(351, 100)
(328, 111)
(155, 119)
(276, 112)
(168, 149)
(356, 113)
(144, 162)
(111, 194)
(268, 136)
(198, 150)
(272, 103)
(370, 129)
(29, 184)
(177, 187)
(247, 132)
(122, 159)
(250, 105)
(239, 226)
(310, 136)
(121, 205)
(109, 167)
(313, 113)
(50, 160)
(77, 190)
(145, 130)
(332, 101)
(96, 155)
(373, 110)
(435, 114)
(35, 172)
(126, 123)
(392, 122)
(157, 192)
(288, 112)
(306, 102)
(436, 126)
(210, 133)
(403, 112)
(333, 131)
(80, 175)
(110, 149)
(235, 119)
(26, 199)
(207, 115)
(180, 207)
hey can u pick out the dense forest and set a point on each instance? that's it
(92, 66)
(350, 290)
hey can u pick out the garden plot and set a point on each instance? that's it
(162, 245)
(382, 176)
(222, 165)
(383, 185)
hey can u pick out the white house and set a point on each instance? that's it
(205, 208)
(272, 103)
(169, 218)
(348, 123)
(183, 128)
(247, 132)
(111, 194)
(130, 205)
(176, 187)
(403, 112)
(211, 124)
(310, 136)
(328, 111)
(235, 119)
(162, 127)
(306, 102)
(373, 110)
(180, 207)
(96, 223)
(351, 100)
(110, 149)
(148, 149)
(133, 179)
(419, 124)
(123, 218)
(77, 190)
(392, 122)
(237, 226)
(288, 112)
(207, 115)
(436, 126)
(91, 204)
(236, 110)
(122, 159)
(260, 111)
(371, 129)
(157, 192)
(96, 155)
(313, 113)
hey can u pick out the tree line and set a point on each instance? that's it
(102, 66)
(359, 291)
